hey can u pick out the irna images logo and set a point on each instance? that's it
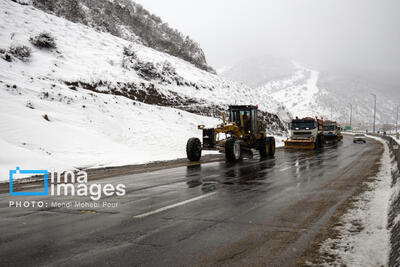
(67, 183)
(18, 171)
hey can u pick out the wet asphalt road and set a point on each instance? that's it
(255, 212)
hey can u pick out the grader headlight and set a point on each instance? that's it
(200, 127)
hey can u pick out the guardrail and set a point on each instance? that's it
(394, 212)
(393, 147)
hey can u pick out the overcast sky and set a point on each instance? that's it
(353, 34)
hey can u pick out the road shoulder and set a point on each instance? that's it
(358, 221)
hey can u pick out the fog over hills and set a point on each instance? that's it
(257, 71)
(327, 93)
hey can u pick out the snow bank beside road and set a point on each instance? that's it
(87, 129)
(364, 234)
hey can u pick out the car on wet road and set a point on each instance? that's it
(359, 138)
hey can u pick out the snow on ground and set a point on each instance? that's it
(371, 245)
(88, 129)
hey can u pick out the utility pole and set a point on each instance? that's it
(351, 114)
(374, 95)
(397, 120)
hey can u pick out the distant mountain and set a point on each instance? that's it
(307, 92)
(130, 21)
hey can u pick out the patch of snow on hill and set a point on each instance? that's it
(298, 93)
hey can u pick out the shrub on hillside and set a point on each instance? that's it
(129, 51)
(129, 58)
(23, 2)
(163, 71)
(43, 40)
(5, 55)
(22, 52)
(144, 69)
(147, 70)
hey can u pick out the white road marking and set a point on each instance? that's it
(286, 168)
(173, 206)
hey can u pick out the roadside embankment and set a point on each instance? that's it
(394, 213)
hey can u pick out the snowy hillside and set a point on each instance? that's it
(299, 93)
(130, 21)
(309, 92)
(99, 100)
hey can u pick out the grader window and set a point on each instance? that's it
(254, 120)
(235, 116)
(249, 118)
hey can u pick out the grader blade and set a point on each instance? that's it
(299, 144)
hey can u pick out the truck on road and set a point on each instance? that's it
(305, 133)
(331, 132)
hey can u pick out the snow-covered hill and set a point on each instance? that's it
(307, 92)
(99, 100)
(299, 93)
(127, 20)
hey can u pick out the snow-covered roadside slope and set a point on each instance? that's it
(86, 129)
(91, 129)
(364, 237)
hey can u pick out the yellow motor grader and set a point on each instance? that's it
(235, 138)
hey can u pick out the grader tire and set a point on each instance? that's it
(319, 143)
(193, 149)
(232, 150)
(272, 147)
(263, 148)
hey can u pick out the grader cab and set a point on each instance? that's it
(236, 137)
